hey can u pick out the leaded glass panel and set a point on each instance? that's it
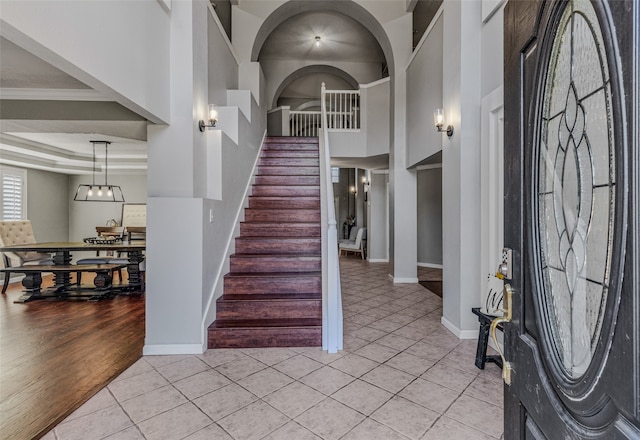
(576, 187)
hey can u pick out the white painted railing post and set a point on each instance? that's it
(332, 330)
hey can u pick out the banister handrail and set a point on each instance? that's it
(332, 330)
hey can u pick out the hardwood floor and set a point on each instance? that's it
(55, 355)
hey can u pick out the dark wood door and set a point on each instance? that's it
(572, 218)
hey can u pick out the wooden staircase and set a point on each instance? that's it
(273, 292)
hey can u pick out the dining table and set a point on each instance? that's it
(61, 255)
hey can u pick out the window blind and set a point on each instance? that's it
(13, 194)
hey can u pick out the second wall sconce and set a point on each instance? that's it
(438, 119)
(213, 118)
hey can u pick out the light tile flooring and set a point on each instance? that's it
(401, 375)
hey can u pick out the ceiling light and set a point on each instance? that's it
(93, 192)
(318, 40)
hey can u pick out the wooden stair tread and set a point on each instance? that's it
(271, 296)
(272, 274)
(297, 256)
(266, 323)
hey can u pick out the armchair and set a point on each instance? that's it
(356, 246)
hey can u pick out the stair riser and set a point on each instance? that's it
(275, 246)
(262, 285)
(289, 161)
(314, 154)
(286, 140)
(278, 230)
(265, 337)
(284, 203)
(288, 180)
(281, 215)
(288, 191)
(281, 309)
(288, 171)
(275, 264)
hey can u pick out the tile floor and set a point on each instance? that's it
(401, 375)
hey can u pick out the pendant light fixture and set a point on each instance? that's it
(99, 192)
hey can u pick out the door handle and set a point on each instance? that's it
(507, 368)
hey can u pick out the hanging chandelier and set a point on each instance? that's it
(99, 192)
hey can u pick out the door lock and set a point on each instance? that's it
(505, 269)
(507, 367)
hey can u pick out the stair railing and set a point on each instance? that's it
(304, 123)
(343, 109)
(332, 330)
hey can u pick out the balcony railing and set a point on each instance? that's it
(342, 114)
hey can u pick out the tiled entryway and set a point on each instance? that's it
(401, 375)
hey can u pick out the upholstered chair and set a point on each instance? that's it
(14, 233)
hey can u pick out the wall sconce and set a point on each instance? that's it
(438, 119)
(365, 183)
(213, 118)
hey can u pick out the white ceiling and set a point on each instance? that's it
(61, 144)
(342, 39)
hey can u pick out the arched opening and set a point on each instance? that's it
(319, 72)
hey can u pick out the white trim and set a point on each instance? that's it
(52, 94)
(432, 166)
(460, 334)
(397, 280)
(166, 5)
(490, 7)
(379, 171)
(375, 83)
(378, 260)
(435, 18)
(231, 239)
(431, 265)
(344, 130)
(223, 32)
(282, 107)
(167, 349)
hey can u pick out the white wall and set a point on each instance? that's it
(118, 48)
(430, 216)
(461, 166)
(373, 138)
(378, 221)
(186, 276)
(48, 205)
(424, 83)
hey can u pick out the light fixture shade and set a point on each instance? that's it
(89, 193)
(438, 117)
(213, 114)
(100, 192)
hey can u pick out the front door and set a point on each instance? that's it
(572, 218)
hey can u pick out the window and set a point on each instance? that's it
(13, 198)
(335, 174)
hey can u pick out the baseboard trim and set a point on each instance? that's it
(403, 280)
(378, 260)
(460, 334)
(431, 265)
(167, 349)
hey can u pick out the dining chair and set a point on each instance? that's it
(102, 231)
(14, 233)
